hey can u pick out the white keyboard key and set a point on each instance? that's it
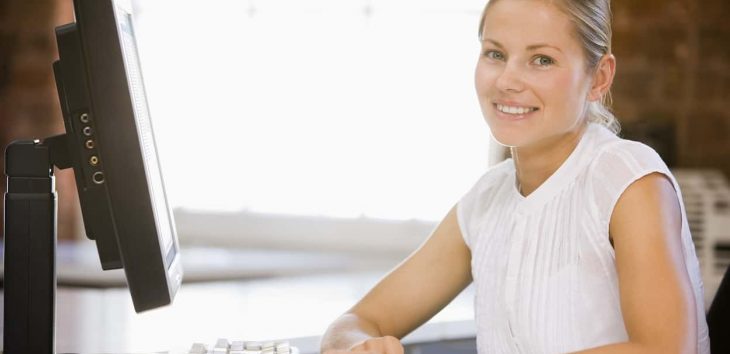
(253, 346)
(282, 348)
(221, 346)
(237, 347)
(198, 348)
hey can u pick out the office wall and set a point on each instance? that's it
(671, 90)
(28, 101)
(673, 80)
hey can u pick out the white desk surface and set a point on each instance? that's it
(295, 308)
(77, 264)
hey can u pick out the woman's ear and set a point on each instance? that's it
(603, 77)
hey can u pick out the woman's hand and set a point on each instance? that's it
(377, 345)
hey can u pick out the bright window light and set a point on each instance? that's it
(340, 108)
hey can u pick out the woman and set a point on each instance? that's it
(579, 242)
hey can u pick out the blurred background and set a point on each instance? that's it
(352, 125)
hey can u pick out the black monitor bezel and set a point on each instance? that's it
(153, 276)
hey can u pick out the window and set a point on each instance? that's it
(327, 108)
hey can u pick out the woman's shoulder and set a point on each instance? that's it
(616, 164)
(609, 152)
(495, 178)
(495, 175)
(613, 154)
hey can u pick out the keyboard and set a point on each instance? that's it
(223, 346)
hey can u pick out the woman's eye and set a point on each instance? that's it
(543, 61)
(493, 54)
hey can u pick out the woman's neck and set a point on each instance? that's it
(536, 163)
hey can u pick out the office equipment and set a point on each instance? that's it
(223, 346)
(110, 144)
(706, 197)
(296, 308)
(93, 145)
(707, 202)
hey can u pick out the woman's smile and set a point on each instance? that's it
(512, 111)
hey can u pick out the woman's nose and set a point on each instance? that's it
(510, 79)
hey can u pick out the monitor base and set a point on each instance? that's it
(31, 206)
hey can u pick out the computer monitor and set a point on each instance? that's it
(118, 174)
(110, 144)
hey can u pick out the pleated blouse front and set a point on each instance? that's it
(543, 266)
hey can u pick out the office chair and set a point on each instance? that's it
(718, 317)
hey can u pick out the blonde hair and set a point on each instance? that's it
(592, 20)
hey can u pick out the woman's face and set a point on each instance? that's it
(531, 77)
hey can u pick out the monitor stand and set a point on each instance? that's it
(30, 244)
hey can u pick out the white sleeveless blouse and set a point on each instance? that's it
(543, 267)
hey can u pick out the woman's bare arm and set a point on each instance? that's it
(657, 301)
(410, 294)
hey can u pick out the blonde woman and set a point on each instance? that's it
(577, 243)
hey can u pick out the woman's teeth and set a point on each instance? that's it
(515, 110)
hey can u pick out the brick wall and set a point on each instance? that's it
(673, 80)
(29, 105)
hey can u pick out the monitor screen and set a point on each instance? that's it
(118, 174)
(146, 138)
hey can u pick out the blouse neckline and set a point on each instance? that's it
(565, 174)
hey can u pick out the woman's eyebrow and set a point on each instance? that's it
(529, 47)
(542, 45)
(493, 42)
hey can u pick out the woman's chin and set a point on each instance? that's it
(508, 139)
(506, 134)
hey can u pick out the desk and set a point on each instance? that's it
(295, 308)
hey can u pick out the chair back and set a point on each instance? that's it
(718, 317)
